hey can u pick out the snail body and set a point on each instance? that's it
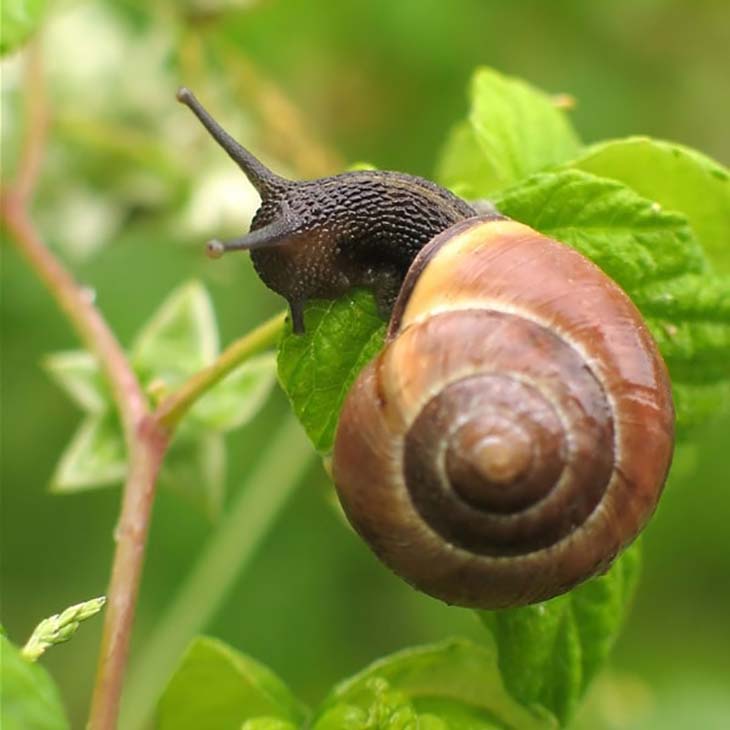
(319, 238)
(354, 229)
(516, 430)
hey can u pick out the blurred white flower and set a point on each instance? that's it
(85, 67)
(11, 74)
(97, 57)
(80, 221)
(223, 203)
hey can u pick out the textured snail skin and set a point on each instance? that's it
(516, 431)
(354, 229)
(319, 238)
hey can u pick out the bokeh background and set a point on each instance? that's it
(131, 187)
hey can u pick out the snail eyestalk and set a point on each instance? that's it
(258, 174)
(215, 249)
(274, 234)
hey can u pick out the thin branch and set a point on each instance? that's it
(146, 440)
(131, 536)
(257, 504)
(83, 315)
(147, 435)
(265, 336)
(71, 298)
(36, 126)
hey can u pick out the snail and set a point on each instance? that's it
(516, 430)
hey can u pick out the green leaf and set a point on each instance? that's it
(77, 373)
(179, 339)
(60, 627)
(95, 457)
(463, 167)
(653, 254)
(456, 715)
(217, 688)
(630, 238)
(676, 177)
(267, 723)
(689, 317)
(512, 131)
(457, 670)
(195, 468)
(317, 368)
(238, 397)
(18, 20)
(361, 165)
(343, 717)
(29, 699)
(697, 403)
(549, 652)
(384, 710)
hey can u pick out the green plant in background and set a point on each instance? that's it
(653, 215)
(178, 341)
(29, 696)
(60, 627)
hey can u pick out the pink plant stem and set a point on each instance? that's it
(147, 435)
(80, 311)
(131, 537)
(146, 439)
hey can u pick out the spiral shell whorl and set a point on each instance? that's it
(483, 454)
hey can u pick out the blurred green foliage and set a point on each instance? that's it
(241, 686)
(131, 188)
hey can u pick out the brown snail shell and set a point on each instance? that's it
(516, 431)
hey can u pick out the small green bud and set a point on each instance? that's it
(60, 627)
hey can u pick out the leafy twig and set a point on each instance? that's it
(265, 336)
(72, 299)
(145, 439)
(60, 627)
(147, 434)
(83, 315)
(36, 126)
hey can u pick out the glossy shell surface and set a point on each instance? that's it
(516, 431)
